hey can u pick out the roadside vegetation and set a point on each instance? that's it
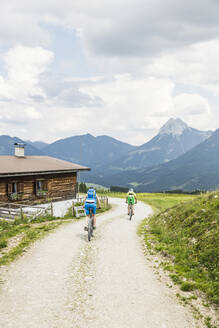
(16, 236)
(187, 235)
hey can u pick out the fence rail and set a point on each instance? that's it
(12, 211)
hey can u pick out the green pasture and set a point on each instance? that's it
(158, 201)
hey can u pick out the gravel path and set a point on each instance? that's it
(65, 282)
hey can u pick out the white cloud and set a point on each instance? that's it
(17, 24)
(24, 66)
(32, 114)
(194, 109)
(195, 65)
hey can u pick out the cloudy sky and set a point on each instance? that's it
(115, 67)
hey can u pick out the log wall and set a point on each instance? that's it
(60, 185)
(3, 191)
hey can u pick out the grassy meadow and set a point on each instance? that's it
(158, 201)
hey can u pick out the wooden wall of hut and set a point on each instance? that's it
(27, 187)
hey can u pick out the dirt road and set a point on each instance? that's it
(65, 282)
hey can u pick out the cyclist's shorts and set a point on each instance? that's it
(87, 206)
(131, 200)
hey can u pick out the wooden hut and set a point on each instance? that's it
(27, 178)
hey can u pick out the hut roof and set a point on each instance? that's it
(28, 165)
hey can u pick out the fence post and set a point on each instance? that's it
(51, 209)
(72, 208)
(21, 211)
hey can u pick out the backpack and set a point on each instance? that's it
(91, 194)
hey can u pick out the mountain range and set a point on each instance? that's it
(197, 169)
(118, 163)
(174, 139)
(88, 150)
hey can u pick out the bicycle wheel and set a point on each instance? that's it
(90, 229)
(130, 213)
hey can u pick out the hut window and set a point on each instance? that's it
(12, 188)
(39, 185)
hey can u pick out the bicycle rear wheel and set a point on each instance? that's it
(90, 225)
(89, 230)
(130, 212)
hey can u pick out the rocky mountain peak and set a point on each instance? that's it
(174, 126)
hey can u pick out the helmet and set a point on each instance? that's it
(131, 190)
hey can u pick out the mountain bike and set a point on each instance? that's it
(90, 227)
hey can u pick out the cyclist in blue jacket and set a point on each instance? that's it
(91, 202)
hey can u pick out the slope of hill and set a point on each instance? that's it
(7, 146)
(196, 169)
(37, 144)
(89, 150)
(174, 139)
(189, 233)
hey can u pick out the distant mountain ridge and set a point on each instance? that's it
(37, 144)
(7, 146)
(196, 169)
(88, 150)
(174, 139)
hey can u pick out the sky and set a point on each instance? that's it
(107, 67)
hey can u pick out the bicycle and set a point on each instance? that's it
(90, 227)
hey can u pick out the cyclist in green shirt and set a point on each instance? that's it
(131, 199)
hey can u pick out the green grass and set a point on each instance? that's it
(158, 201)
(9, 230)
(162, 201)
(31, 235)
(189, 233)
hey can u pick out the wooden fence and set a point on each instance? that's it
(11, 211)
